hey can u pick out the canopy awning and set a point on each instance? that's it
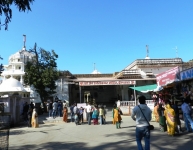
(145, 88)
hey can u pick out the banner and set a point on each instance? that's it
(92, 83)
(168, 76)
(187, 74)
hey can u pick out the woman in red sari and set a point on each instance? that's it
(65, 114)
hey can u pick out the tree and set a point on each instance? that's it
(41, 72)
(22, 5)
(1, 66)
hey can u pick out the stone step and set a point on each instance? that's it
(52, 120)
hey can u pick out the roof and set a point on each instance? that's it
(145, 88)
(11, 85)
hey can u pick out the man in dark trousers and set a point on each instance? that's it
(142, 130)
(29, 114)
(25, 111)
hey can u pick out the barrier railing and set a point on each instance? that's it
(127, 106)
(132, 103)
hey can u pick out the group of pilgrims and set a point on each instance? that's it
(30, 115)
(91, 114)
(167, 113)
(95, 114)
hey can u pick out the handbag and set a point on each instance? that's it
(150, 127)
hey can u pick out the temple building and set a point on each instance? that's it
(107, 88)
(96, 86)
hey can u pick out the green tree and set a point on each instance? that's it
(5, 9)
(41, 72)
(1, 66)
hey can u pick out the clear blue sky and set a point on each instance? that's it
(110, 33)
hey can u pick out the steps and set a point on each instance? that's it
(50, 120)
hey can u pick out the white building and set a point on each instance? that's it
(16, 69)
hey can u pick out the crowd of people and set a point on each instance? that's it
(96, 113)
(30, 115)
(167, 113)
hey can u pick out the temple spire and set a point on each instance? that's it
(147, 52)
(147, 49)
(176, 48)
(94, 67)
(24, 41)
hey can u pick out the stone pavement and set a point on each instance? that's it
(68, 136)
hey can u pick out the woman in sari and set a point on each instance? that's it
(162, 118)
(170, 118)
(95, 115)
(155, 112)
(117, 117)
(65, 114)
(34, 120)
(114, 107)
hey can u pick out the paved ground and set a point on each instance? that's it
(68, 136)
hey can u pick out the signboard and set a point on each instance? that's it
(116, 82)
(187, 74)
(68, 82)
(168, 77)
(83, 105)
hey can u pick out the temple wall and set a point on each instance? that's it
(13, 105)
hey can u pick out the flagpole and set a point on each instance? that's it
(80, 92)
(135, 96)
(24, 40)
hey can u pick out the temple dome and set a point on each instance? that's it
(95, 72)
(20, 54)
(11, 85)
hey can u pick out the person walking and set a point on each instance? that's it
(101, 114)
(89, 111)
(34, 120)
(29, 114)
(142, 130)
(59, 109)
(25, 111)
(155, 112)
(65, 114)
(81, 110)
(117, 116)
(72, 112)
(169, 113)
(177, 118)
(55, 106)
(162, 118)
(50, 108)
(95, 115)
(187, 115)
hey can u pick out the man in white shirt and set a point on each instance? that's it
(89, 111)
(118, 103)
(141, 114)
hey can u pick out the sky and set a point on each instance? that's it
(110, 33)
